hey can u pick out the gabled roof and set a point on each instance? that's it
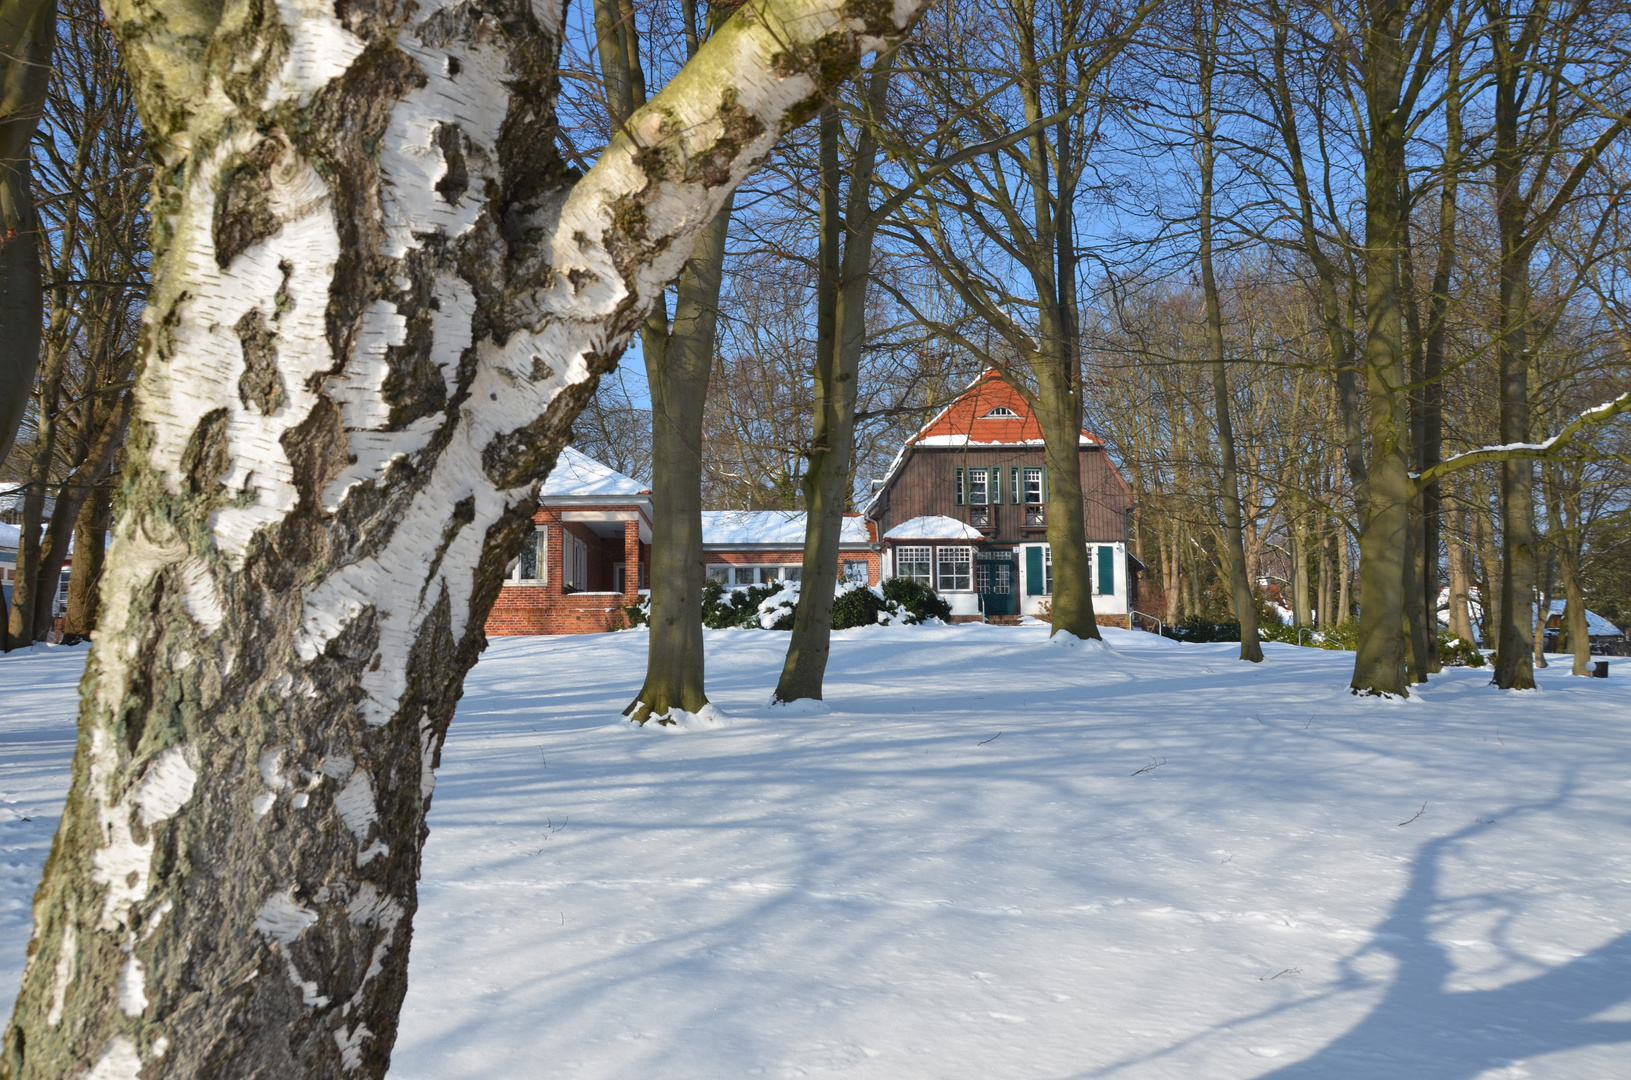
(778, 528)
(577, 475)
(988, 413)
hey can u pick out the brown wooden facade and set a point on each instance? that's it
(926, 483)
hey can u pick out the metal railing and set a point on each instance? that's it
(1159, 625)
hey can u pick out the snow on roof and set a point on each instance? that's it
(988, 413)
(1595, 624)
(783, 528)
(10, 535)
(578, 474)
(933, 527)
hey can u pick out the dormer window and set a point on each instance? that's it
(1001, 412)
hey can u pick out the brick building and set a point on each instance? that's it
(593, 524)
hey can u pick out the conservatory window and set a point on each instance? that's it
(956, 569)
(912, 563)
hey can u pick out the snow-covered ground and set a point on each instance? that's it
(1167, 864)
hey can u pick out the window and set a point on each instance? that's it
(744, 575)
(977, 487)
(574, 563)
(982, 577)
(719, 572)
(1038, 570)
(913, 563)
(1047, 570)
(956, 566)
(1001, 412)
(533, 563)
(792, 573)
(855, 571)
(1033, 485)
(979, 517)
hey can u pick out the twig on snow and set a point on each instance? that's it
(993, 738)
(1419, 813)
(1277, 974)
(1154, 764)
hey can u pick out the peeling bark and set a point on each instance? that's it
(293, 596)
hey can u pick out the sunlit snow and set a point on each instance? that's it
(991, 859)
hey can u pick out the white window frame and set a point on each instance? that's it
(979, 487)
(574, 562)
(540, 540)
(961, 581)
(720, 572)
(1027, 475)
(915, 556)
(1000, 412)
(864, 577)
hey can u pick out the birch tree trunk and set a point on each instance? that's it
(379, 299)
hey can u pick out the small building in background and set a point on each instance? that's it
(589, 556)
(964, 510)
(748, 547)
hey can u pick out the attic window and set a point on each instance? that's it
(1001, 412)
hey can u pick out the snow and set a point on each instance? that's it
(992, 858)
(934, 527)
(964, 440)
(781, 528)
(578, 474)
(1596, 625)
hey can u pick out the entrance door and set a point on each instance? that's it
(997, 582)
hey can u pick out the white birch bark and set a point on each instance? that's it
(380, 298)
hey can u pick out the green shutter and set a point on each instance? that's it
(1016, 486)
(1034, 585)
(959, 487)
(1107, 570)
(1044, 483)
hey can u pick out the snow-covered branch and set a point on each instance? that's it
(1593, 417)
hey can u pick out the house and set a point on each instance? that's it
(746, 547)
(593, 523)
(1606, 638)
(589, 556)
(964, 509)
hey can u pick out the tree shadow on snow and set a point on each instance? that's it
(1424, 1030)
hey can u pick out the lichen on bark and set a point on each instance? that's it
(379, 299)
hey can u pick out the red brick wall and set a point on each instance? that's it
(544, 609)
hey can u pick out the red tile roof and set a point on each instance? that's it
(989, 412)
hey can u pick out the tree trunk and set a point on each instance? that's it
(1543, 606)
(1379, 665)
(381, 299)
(841, 335)
(1344, 575)
(28, 29)
(679, 365)
(1234, 545)
(90, 539)
(1460, 617)
(72, 494)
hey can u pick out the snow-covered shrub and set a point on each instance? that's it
(1458, 652)
(638, 614)
(857, 605)
(920, 601)
(724, 608)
